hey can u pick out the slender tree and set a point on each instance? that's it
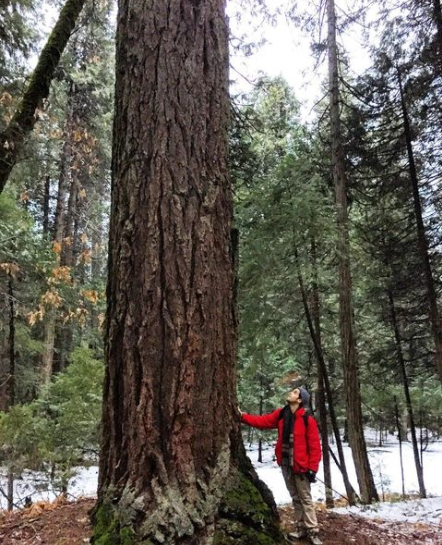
(433, 311)
(347, 325)
(315, 333)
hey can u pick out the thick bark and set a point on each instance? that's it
(433, 311)
(171, 440)
(347, 326)
(401, 361)
(14, 136)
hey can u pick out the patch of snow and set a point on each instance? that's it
(38, 486)
(384, 462)
(427, 511)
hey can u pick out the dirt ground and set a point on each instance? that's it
(67, 523)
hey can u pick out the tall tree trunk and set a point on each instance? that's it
(401, 361)
(171, 447)
(351, 496)
(433, 311)
(347, 326)
(69, 253)
(58, 230)
(13, 138)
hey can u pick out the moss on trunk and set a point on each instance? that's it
(107, 529)
(243, 517)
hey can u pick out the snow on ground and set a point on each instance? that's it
(428, 511)
(37, 486)
(385, 463)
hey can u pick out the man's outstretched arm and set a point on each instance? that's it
(266, 421)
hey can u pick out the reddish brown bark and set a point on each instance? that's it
(169, 395)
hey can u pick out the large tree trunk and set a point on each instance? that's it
(347, 326)
(171, 438)
(13, 138)
(433, 311)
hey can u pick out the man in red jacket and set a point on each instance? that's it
(298, 452)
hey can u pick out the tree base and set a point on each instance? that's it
(243, 517)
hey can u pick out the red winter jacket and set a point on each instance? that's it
(306, 447)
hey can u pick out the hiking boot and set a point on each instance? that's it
(314, 539)
(298, 534)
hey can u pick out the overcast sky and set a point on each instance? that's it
(286, 51)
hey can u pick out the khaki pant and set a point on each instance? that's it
(299, 489)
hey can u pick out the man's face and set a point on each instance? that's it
(293, 396)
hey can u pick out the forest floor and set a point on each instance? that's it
(67, 523)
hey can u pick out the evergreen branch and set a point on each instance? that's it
(13, 138)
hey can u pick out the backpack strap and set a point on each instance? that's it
(306, 415)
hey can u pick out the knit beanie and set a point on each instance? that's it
(305, 397)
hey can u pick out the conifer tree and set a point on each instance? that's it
(347, 323)
(171, 445)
